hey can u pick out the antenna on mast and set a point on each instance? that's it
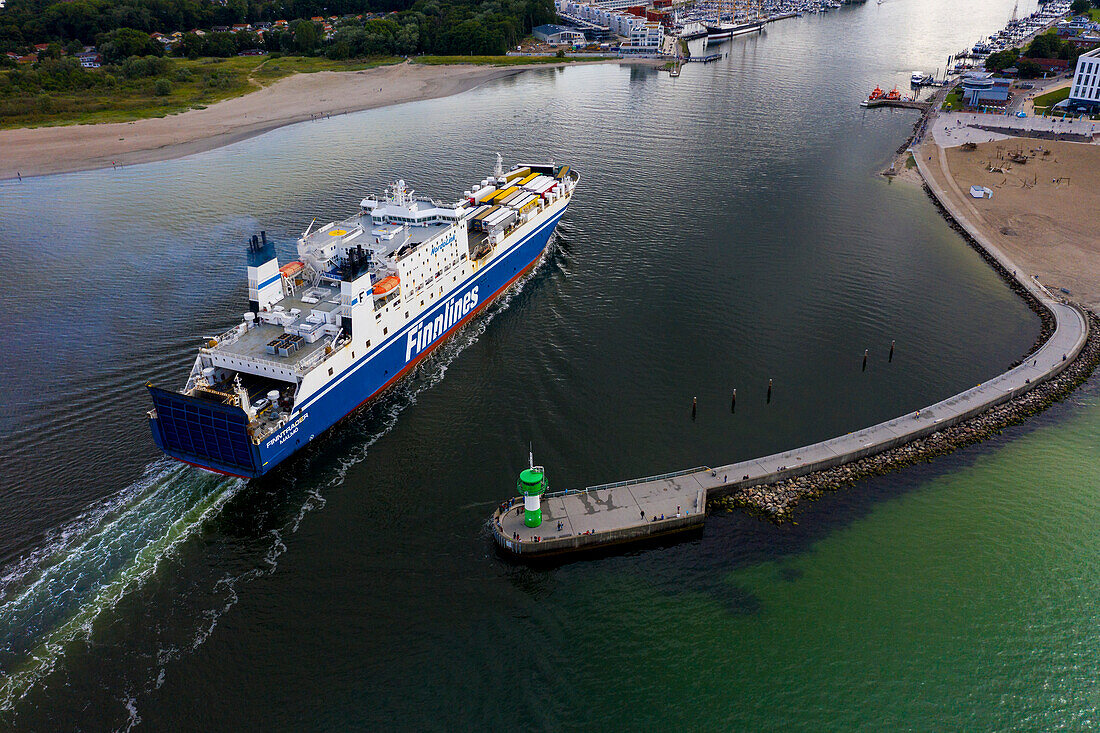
(530, 455)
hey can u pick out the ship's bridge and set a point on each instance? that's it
(401, 205)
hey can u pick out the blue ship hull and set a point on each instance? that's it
(214, 436)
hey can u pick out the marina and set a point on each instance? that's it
(1018, 32)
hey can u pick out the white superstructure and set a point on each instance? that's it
(360, 282)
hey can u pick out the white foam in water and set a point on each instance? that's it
(51, 596)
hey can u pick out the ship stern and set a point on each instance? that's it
(203, 433)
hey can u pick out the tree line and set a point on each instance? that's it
(121, 28)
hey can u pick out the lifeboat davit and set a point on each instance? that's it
(386, 285)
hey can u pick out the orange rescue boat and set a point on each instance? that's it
(386, 284)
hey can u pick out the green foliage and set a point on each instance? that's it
(411, 27)
(123, 43)
(1077, 7)
(1050, 46)
(305, 36)
(1002, 59)
(1028, 69)
(137, 67)
(162, 87)
(219, 45)
(338, 51)
(53, 51)
(59, 91)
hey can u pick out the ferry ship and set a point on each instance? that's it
(367, 298)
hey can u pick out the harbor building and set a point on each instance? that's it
(1084, 93)
(981, 89)
(558, 34)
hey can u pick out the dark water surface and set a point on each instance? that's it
(729, 228)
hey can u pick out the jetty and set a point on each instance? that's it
(584, 519)
(900, 103)
(704, 59)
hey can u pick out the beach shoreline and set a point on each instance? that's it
(40, 151)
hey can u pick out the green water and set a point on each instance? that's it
(967, 602)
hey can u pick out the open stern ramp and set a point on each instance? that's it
(203, 432)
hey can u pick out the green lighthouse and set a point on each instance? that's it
(532, 484)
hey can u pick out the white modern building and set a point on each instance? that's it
(1085, 91)
(617, 4)
(645, 38)
(618, 22)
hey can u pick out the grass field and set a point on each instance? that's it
(1044, 101)
(111, 97)
(953, 100)
(498, 60)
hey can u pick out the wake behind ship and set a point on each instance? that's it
(366, 299)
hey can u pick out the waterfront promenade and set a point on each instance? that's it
(615, 513)
(956, 128)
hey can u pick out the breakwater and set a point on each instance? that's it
(1064, 355)
(775, 501)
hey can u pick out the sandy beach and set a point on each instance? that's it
(1043, 213)
(46, 150)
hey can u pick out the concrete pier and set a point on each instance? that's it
(612, 513)
(899, 103)
(604, 515)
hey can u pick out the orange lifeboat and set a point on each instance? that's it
(386, 285)
(893, 94)
(876, 94)
(291, 269)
